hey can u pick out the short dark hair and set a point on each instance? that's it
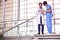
(40, 3)
(45, 2)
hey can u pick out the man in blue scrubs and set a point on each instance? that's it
(48, 16)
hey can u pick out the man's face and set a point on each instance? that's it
(40, 5)
(45, 5)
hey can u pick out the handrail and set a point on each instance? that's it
(19, 24)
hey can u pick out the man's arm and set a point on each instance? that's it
(49, 10)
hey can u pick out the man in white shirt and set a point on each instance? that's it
(40, 19)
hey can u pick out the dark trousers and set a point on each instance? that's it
(41, 26)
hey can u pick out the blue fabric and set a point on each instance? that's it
(49, 19)
(49, 14)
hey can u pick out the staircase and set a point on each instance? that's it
(4, 30)
(35, 37)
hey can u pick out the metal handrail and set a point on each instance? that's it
(19, 24)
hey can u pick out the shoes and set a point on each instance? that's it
(38, 33)
(48, 34)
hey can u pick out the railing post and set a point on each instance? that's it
(3, 16)
(3, 20)
(53, 17)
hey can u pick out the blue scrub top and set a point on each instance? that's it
(48, 14)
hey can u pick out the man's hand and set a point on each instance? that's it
(49, 10)
(52, 14)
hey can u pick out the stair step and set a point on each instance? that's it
(47, 36)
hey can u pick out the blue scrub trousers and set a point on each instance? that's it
(49, 24)
(49, 19)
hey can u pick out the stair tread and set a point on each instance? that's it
(54, 36)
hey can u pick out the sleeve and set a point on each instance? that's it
(44, 8)
(48, 7)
